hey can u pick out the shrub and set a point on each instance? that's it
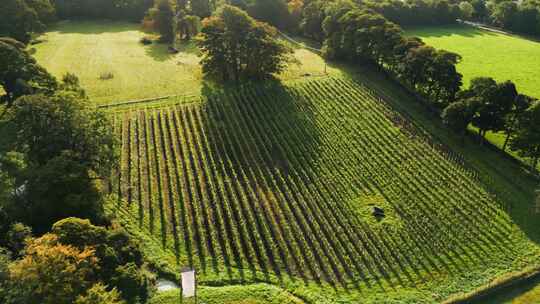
(146, 40)
(106, 76)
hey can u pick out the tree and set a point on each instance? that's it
(188, 26)
(99, 294)
(162, 16)
(17, 237)
(201, 8)
(521, 103)
(467, 10)
(274, 12)
(495, 102)
(67, 146)
(45, 11)
(504, 14)
(480, 10)
(20, 74)
(236, 46)
(121, 263)
(48, 126)
(51, 273)
(526, 138)
(18, 20)
(458, 115)
(313, 16)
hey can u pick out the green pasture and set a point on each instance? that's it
(485, 53)
(91, 49)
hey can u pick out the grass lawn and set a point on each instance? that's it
(485, 53)
(90, 49)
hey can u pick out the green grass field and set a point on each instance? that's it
(485, 53)
(90, 49)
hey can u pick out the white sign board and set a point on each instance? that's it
(188, 284)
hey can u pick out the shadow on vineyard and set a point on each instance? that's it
(277, 183)
(260, 110)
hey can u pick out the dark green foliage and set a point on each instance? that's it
(45, 11)
(66, 145)
(274, 12)
(457, 116)
(46, 127)
(360, 35)
(201, 8)
(120, 257)
(18, 20)
(162, 16)
(16, 238)
(526, 139)
(20, 74)
(59, 188)
(416, 13)
(236, 46)
(493, 103)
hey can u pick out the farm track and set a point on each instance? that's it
(272, 180)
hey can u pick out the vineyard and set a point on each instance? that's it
(282, 180)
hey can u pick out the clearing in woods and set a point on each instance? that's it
(277, 183)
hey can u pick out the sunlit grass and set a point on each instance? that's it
(484, 53)
(92, 49)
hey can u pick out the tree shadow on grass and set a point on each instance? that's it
(159, 51)
(267, 125)
(188, 47)
(254, 131)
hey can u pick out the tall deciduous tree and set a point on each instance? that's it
(20, 74)
(521, 103)
(495, 101)
(18, 20)
(201, 8)
(526, 138)
(67, 145)
(235, 46)
(162, 16)
(457, 116)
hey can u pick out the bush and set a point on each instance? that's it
(146, 40)
(106, 76)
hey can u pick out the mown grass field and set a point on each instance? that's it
(90, 49)
(485, 53)
(276, 183)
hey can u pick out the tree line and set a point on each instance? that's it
(56, 150)
(517, 16)
(357, 34)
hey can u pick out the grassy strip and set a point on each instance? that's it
(245, 294)
(512, 279)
